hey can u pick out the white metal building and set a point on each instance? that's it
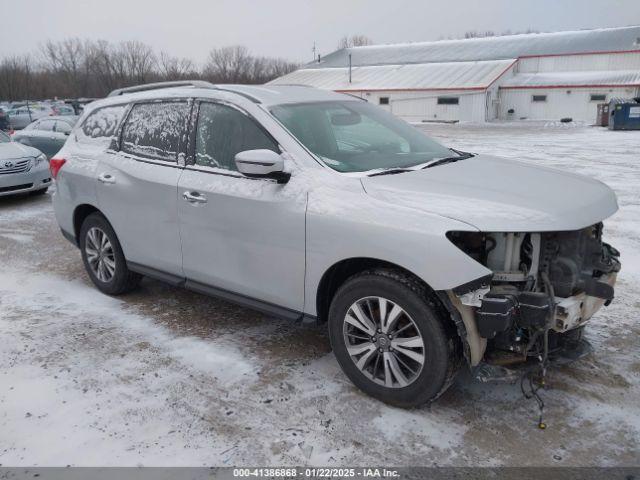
(535, 76)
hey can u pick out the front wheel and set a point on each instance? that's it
(391, 340)
(103, 258)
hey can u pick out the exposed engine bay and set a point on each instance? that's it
(544, 287)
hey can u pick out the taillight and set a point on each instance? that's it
(11, 132)
(55, 164)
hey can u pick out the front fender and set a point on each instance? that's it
(344, 224)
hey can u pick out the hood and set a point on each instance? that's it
(14, 150)
(499, 195)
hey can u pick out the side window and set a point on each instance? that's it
(100, 126)
(46, 125)
(63, 127)
(154, 130)
(223, 132)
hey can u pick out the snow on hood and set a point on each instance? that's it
(13, 150)
(498, 195)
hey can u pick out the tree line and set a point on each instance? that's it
(75, 68)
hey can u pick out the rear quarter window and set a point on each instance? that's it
(101, 125)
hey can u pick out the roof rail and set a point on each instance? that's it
(158, 85)
(229, 88)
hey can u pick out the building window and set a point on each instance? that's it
(538, 98)
(384, 100)
(597, 97)
(448, 100)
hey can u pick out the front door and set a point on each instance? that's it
(244, 237)
(136, 185)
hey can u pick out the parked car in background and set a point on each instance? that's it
(63, 110)
(312, 205)
(47, 134)
(20, 117)
(23, 169)
(4, 118)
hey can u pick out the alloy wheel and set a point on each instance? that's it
(100, 255)
(384, 342)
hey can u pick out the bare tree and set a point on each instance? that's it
(66, 60)
(354, 41)
(139, 61)
(16, 77)
(175, 68)
(490, 33)
(227, 64)
(92, 68)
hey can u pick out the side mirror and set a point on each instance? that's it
(262, 164)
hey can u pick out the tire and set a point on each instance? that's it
(114, 278)
(441, 351)
(37, 193)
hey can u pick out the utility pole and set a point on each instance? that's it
(349, 68)
(314, 50)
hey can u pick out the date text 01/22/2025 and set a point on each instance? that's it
(315, 472)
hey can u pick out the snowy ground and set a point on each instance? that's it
(168, 377)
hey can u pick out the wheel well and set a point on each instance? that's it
(341, 271)
(335, 276)
(81, 212)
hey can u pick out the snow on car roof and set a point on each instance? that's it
(268, 95)
(285, 93)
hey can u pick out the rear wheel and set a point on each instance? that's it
(391, 340)
(103, 258)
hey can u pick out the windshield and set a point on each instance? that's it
(353, 136)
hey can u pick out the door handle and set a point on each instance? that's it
(106, 178)
(194, 197)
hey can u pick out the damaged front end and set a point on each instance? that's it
(543, 288)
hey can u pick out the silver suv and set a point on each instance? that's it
(317, 206)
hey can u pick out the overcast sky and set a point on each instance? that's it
(288, 28)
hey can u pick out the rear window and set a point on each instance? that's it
(63, 127)
(154, 130)
(100, 126)
(47, 125)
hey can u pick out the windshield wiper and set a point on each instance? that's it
(441, 161)
(391, 171)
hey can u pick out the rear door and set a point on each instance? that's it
(137, 181)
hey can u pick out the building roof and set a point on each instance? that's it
(490, 48)
(428, 76)
(605, 78)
